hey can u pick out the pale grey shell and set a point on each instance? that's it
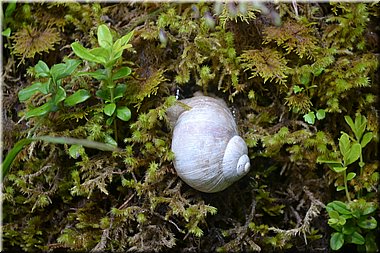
(209, 153)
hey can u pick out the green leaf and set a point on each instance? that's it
(99, 74)
(340, 188)
(6, 32)
(84, 53)
(11, 7)
(123, 113)
(109, 121)
(121, 73)
(109, 109)
(121, 43)
(102, 54)
(110, 141)
(336, 241)
(366, 139)
(83, 142)
(59, 96)
(29, 91)
(5, 166)
(360, 126)
(42, 69)
(357, 238)
(104, 94)
(39, 111)
(350, 176)
(339, 169)
(348, 228)
(339, 206)
(349, 121)
(104, 37)
(332, 213)
(297, 89)
(353, 154)
(370, 207)
(367, 223)
(59, 71)
(76, 98)
(75, 150)
(321, 114)
(120, 91)
(344, 144)
(309, 118)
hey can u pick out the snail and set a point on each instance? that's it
(209, 153)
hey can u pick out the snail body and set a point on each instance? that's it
(209, 153)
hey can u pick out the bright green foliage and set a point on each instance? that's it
(52, 85)
(352, 221)
(351, 150)
(108, 54)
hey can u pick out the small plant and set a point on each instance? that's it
(53, 87)
(352, 220)
(107, 55)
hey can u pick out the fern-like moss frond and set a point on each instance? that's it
(266, 63)
(30, 41)
(293, 36)
(299, 102)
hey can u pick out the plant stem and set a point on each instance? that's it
(346, 187)
(111, 86)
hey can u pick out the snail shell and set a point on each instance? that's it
(209, 153)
